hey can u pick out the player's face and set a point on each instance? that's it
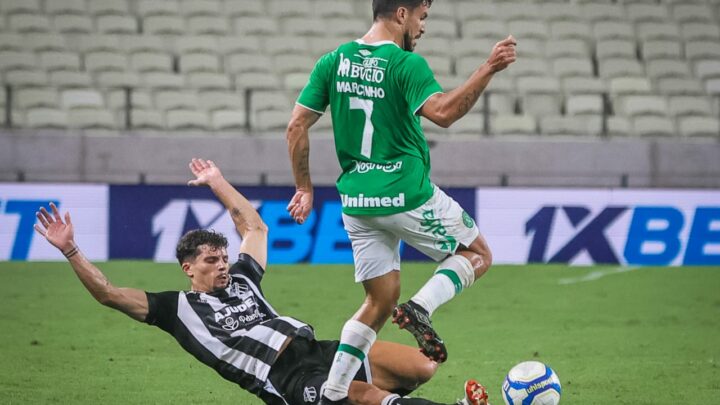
(209, 271)
(414, 26)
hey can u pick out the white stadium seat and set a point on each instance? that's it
(117, 24)
(660, 68)
(36, 97)
(653, 126)
(566, 126)
(198, 44)
(151, 62)
(147, 119)
(108, 7)
(26, 78)
(187, 120)
(312, 27)
(199, 62)
(208, 81)
(172, 100)
(164, 25)
(208, 25)
(146, 8)
(256, 25)
(10, 60)
(113, 79)
(91, 119)
(191, 8)
(81, 98)
(333, 9)
(257, 80)
(46, 118)
(65, 7)
(58, 60)
(271, 120)
(584, 104)
(63, 79)
(10, 7)
(679, 86)
(661, 49)
(162, 80)
(223, 120)
(699, 126)
(235, 8)
(40, 42)
(642, 105)
(10, 41)
(513, 125)
(221, 100)
(73, 24)
(96, 62)
(24, 23)
(621, 86)
(690, 105)
(249, 62)
(290, 8)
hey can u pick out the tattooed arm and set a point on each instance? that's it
(247, 221)
(299, 149)
(445, 108)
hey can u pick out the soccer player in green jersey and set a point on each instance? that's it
(377, 89)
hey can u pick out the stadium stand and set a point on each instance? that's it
(637, 67)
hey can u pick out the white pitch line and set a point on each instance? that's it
(596, 275)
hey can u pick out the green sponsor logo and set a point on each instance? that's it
(432, 225)
(467, 220)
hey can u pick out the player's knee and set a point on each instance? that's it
(426, 371)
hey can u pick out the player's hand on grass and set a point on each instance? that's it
(301, 205)
(503, 54)
(205, 172)
(60, 234)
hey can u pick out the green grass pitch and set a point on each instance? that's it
(646, 336)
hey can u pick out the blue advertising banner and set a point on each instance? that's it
(147, 221)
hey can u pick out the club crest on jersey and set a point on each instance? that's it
(309, 394)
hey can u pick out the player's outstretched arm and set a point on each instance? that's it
(61, 234)
(247, 221)
(299, 148)
(445, 108)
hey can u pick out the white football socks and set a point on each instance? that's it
(355, 342)
(452, 275)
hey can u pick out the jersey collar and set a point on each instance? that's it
(379, 43)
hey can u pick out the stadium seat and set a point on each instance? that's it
(442, 28)
(616, 67)
(198, 62)
(683, 13)
(333, 9)
(320, 46)
(270, 100)
(146, 119)
(208, 81)
(139, 99)
(279, 45)
(647, 12)
(615, 126)
(99, 43)
(699, 126)
(313, 27)
(623, 86)
(529, 67)
(600, 11)
(444, 47)
(10, 41)
(58, 60)
(65, 7)
(441, 65)
(660, 68)
(488, 29)
(567, 126)
(513, 125)
(351, 27)
(151, 62)
(117, 24)
(248, 62)
(712, 87)
(707, 69)
(679, 86)
(471, 124)
(499, 103)
(36, 97)
(192, 8)
(25, 23)
(173, 100)
(575, 48)
(148, 8)
(221, 100)
(510, 11)
(641, 105)
(161, 80)
(530, 47)
(689, 105)
(64, 79)
(613, 30)
(81, 98)
(466, 65)
(208, 25)
(26, 78)
(73, 24)
(207, 44)
(267, 120)
(471, 10)
(290, 8)
(284, 64)
(529, 29)
(143, 43)
(96, 62)
(108, 7)
(660, 49)
(653, 126)
(449, 82)
(256, 26)
(10, 7)
(164, 25)
(244, 8)
(223, 120)
(187, 120)
(584, 104)
(615, 48)
(570, 66)
(560, 11)
(540, 104)
(570, 30)
(700, 31)
(658, 30)
(46, 118)
(257, 80)
(91, 119)
(295, 82)
(113, 79)
(242, 44)
(40, 42)
(702, 50)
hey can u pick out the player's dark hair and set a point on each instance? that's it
(385, 8)
(188, 246)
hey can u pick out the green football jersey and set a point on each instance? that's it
(374, 92)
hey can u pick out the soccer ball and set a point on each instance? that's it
(531, 383)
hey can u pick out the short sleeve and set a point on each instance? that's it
(315, 95)
(247, 266)
(417, 81)
(162, 310)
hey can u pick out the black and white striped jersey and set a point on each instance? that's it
(235, 331)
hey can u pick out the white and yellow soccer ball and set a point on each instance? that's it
(531, 383)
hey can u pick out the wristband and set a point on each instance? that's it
(70, 253)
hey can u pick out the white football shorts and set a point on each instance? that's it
(436, 229)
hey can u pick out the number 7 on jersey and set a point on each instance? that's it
(367, 107)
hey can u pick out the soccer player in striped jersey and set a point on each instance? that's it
(377, 90)
(225, 321)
